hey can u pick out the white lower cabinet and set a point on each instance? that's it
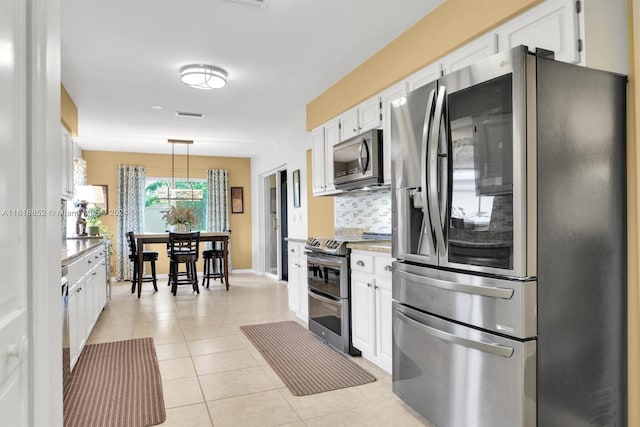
(297, 281)
(87, 298)
(371, 306)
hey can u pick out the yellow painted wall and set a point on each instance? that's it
(68, 111)
(319, 209)
(447, 28)
(633, 162)
(101, 170)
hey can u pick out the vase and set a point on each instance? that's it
(180, 228)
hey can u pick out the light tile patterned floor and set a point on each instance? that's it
(212, 375)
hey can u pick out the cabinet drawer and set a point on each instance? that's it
(383, 267)
(360, 262)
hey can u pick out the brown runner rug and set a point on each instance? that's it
(115, 384)
(304, 363)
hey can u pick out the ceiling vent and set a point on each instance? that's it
(259, 3)
(190, 115)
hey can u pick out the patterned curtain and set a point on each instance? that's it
(218, 203)
(131, 186)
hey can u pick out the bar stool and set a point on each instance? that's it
(147, 256)
(184, 248)
(213, 266)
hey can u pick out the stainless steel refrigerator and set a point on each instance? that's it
(509, 230)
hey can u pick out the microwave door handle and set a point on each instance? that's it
(363, 165)
(434, 211)
(423, 167)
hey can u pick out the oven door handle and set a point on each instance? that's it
(325, 299)
(323, 261)
(485, 291)
(493, 348)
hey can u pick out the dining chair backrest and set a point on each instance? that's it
(132, 244)
(184, 245)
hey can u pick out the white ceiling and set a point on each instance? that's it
(120, 57)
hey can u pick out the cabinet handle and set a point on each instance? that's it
(388, 268)
(376, 287)
(293, 250)
(94, 273)
(368, 285)
(355, 130)
(90, 261)
(360, 263)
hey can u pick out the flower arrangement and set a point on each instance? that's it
(180, 215)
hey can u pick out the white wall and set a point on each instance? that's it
(290, 152)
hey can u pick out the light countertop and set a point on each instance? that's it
(384, 247)
(73, 248)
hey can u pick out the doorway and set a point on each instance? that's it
(275, 197)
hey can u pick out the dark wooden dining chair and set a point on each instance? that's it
(213, 264)
(147, 256)
(184, 248)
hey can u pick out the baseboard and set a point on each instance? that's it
(243, 271)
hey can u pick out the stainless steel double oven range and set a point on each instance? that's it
(509, 233)
(328, 279)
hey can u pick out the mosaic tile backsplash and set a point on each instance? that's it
(370, 210)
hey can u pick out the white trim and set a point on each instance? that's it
(245, 271)
(43, 106)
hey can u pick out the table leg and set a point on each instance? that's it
(140, 246)
(225, 255)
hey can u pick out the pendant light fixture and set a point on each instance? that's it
(203, 76)
(173, 193)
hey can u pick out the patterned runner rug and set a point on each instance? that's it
(115, 384)
(304, 363)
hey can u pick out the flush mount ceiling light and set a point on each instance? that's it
(203, 76)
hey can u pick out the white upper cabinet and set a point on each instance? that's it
(323, 138)
(318, 159)
(480, 48)
(360, 119)
(552, 25)
(424, 76)
(388, 96)
(66, 166)
(331, 138)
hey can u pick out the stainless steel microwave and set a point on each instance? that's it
(357, 162)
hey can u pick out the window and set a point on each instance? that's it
(155, 204)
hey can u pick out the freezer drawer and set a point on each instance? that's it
(507, 307)
(456, 376)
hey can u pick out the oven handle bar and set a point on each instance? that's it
(324, 260)
(485, 291)
(325, 299)
(493, 348)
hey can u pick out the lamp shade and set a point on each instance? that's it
(90, 194)
(203, 76)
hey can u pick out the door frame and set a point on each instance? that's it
(263, 223)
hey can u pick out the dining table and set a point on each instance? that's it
(205, 236)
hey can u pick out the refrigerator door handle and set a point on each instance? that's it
(434, 211)
(423, 167)
(485, 291)
(492, 348)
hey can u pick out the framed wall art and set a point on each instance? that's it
(237, 200)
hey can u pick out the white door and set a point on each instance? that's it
(14, 262)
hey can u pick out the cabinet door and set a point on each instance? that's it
(76, 320)
(349, 124)
(66, 164)
(426, 75)
(388, 96)
(331, 138)
(369, 115)
(469, 54)
(304, 295)
(293, 286)
(363, 312)
(552, 25)
(318, 159)
(384, 342)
